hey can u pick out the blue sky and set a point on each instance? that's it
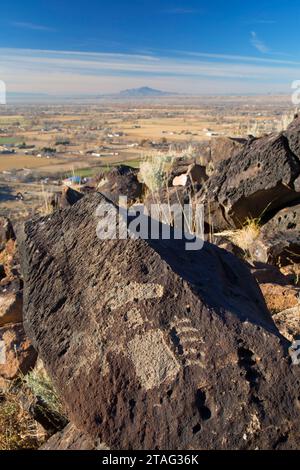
(195, 46)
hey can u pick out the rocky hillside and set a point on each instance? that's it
(150, 346)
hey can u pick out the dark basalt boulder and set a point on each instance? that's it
(256, 183)
(11, 307)
(279, 248)
(197, 174)
(17, 356)
(292, 135)
(66, 198)
(70, 438)
(121, 181)
(286, 220)
(70, 197)
(51, 420)
(154, 347)
(268, 274)
(279, 240)
(222, 148)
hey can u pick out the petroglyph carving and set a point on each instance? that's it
(121, 295)
(153, 359)
(187, 341)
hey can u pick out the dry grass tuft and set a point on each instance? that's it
(17, 428)
(46, 207)
(244, 237)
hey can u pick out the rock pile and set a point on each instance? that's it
(17, 353)
(257, 182)
(151, 346)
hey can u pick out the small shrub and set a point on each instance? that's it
(154, 169)
(41, 387)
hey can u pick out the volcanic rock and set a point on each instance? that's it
(121, 181)
(11, 305)
(279, 298)
(279, 240)
(269, 274)
(197, 174)
(185, 173)
(72, 439)
(68, 197)
(225, 244)
(292, 135)
(297, 184)
(288, 322)
(292, 271)
(152, 346)
(255, 183)
(51, 420)
(286, 220)
(280, 248)
(6, 232)
(223, 148)
(17, 351)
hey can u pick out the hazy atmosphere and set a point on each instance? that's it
(194, 46)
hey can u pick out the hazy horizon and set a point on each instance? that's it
(182, 47)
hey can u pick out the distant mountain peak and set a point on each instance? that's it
(143, 91)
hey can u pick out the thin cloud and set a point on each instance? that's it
(58, 71)
(238, 58)
(262, 21)
(258, 43)
(31, 26)
(182, 11)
